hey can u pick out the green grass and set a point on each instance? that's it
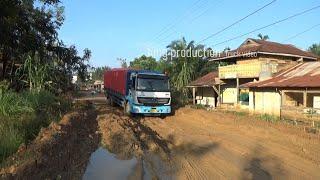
(237, 113)
(10, 140)
(198, 106)
(13, 105)
(23, 115)
(263, 117)
(269, 118)
(241, 113)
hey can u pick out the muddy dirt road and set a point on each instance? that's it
(197, 144)
(101, 143)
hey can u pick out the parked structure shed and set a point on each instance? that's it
(293, 92)
(205, 90)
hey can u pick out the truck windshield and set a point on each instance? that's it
(155, 83)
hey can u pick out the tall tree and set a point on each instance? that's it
(144, 62)
(123, 62)
(29, 34)
(98, 72)
(26, 28)
(315, 49)
(263, 37)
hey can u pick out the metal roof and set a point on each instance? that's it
(251, 46)
(207, 80)
(302, 75)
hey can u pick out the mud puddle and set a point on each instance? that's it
(106, 165)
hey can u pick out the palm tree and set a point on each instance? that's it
(184, 68)
(263, 37)
(315, 49)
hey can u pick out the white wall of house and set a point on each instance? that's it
(229, 95)
(205, 96)
(265, 102)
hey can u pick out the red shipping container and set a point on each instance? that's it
(116, 80)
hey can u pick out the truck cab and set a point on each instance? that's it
(149, 94)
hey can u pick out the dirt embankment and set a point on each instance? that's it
(192, 144)
(60, 151)
(197, 144)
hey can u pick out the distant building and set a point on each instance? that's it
(293, 93)
(254, 60)
(98, 85)
(204, 90)
(74, 79)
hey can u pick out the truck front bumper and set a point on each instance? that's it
(165, 109)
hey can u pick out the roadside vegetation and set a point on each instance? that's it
(36, 70)
(23, 115)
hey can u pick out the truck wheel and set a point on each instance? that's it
(112, 103)
(127, 109)
(108, 100)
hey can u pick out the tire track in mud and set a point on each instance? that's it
(174, 158)
(197, 144)
(247, 154)
(144, 141)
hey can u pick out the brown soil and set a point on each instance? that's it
(60, 151)
(197, 144)
(192, 144)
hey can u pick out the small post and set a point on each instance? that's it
(194, 95)
(283, 98)
(305, 98)
(238, 93)
(219, 95)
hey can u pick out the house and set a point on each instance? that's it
(254, 60)
(293, 93)
(204, 90)
(98, 85)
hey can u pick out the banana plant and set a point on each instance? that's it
(34, 73)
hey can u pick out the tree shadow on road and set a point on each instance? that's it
(262, 167)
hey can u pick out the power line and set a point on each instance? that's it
(173, 23)
(192, 20)
(238, 21)
(266, 26)
(298, 34)
(181, 19)
(204, 12)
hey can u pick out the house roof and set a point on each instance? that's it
(252, 46)
(207, 80)
(302, 75)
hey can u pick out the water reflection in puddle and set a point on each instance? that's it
(104, 165)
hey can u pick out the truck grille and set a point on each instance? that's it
(153, 101)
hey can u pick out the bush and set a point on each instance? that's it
(269, 118)
(198, 106)
(178, 99)
(23, 115)
(10, 139)
(13, 105)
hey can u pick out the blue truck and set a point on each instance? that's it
(138, 91)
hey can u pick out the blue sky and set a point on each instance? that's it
(127, 29)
